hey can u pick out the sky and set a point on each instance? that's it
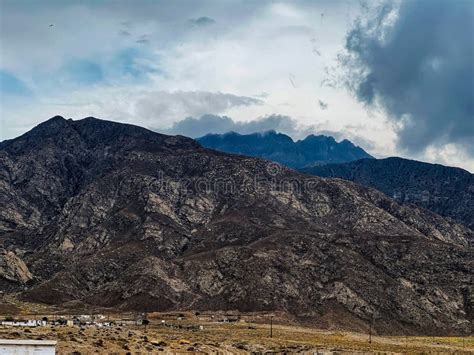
(395, 77)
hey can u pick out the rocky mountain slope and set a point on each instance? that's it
(444, 190)
(313, 150)
(116, 215)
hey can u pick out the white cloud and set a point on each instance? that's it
(164, 107)
(147, 108)
(184, 69)
(451, 155)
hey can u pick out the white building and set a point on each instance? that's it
(27, 347)
(24, 323)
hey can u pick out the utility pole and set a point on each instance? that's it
(370, 333)
(271, 326)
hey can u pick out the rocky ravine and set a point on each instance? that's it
(116, 215)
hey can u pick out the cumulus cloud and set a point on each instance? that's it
(174, 105)
(416, 62)
(122, 60)
(119, 61)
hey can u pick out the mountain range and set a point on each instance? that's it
(447, 191)
(114, 215)
(313, 150)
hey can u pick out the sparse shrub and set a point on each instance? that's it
(99, 343)
(241, 346)
(159, 343)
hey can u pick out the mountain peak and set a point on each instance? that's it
(53, 127)
(94, 132)
(272, 145)
(319, 138)
(55, 118)
(54, 122)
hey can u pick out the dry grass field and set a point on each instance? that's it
(207, 333)
(229, 338)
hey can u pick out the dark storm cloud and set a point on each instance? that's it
(418, 65)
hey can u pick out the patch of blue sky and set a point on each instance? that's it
(10, 84)
(126, 66)
(83, 72)
(136, 64)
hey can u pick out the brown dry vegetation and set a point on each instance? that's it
(251, 333)
(239, 337)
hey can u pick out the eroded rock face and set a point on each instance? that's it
(444, 190)
(116, 215)
(12, 268)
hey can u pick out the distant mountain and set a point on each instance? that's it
(445, 190)
(115, 215)
(313, 150)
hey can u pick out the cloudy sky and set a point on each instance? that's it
(395, 77)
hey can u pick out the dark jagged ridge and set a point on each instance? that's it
(313, 150)
(444, 190)
(116, 215)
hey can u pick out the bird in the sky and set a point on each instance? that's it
(51, 25)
